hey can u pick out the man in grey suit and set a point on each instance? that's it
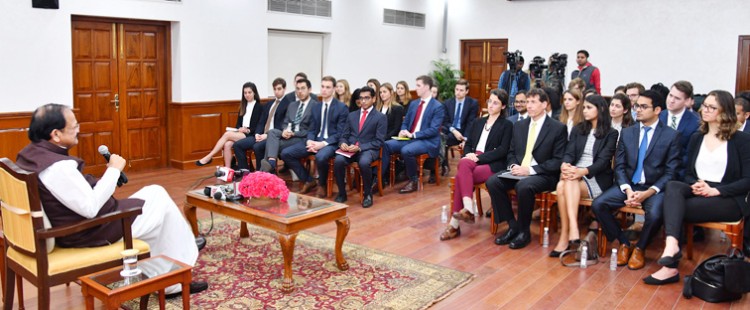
(297, 122)
(520, 105)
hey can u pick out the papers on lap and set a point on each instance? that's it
(345, 153)
(232, 129)
(400, 138)
(508, 175)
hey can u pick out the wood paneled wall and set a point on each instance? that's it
(14, 129)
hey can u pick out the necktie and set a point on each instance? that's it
(520, 117)
(325, 121)
(641, 154)
(416, 117)
(298, 116)
(529, 146)
(674, 122)
(271, 115)
(457, 117)
(362, 119)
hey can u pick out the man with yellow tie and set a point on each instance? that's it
(534, 160)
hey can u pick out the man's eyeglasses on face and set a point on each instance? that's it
(641, 106)
(365, 98)
(520, 101)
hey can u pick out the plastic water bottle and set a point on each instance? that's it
(444, 214)
(545, 241)
(584, 255)
(613, 260)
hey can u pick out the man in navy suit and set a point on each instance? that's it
(363, 135)
(328, 119)
(520, 105)
(272, 117)
(420, 132)
(534, 158)
(679, 117)
(460, 111)
(292, 96)
(742, 106)
(647, 157)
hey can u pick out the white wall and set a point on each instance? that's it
(629, 40)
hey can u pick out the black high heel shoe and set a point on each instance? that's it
(557, 254)
(199, 164)
(670, 261)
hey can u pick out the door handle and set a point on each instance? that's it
(116, 102)
(487, 87)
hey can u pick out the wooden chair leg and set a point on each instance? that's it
(19, 289)
(380, 179)
(452, 185)
(392, 169)
(329, 183)
(602, 242)
(478, 198)
(543, 215)
(437, 171)
(689, 237)
(420, 169)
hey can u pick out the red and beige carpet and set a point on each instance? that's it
(246, 274)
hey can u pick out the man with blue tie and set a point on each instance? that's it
(460, 110)
(420, 132)
(647, 157)
(328, 119)
(520, 104)
(363, 135)
(679, 117)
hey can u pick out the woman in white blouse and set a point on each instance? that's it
(717, 181)
(247, 121)
(619, 111)
(485, 149)
(572, 112)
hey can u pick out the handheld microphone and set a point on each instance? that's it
(104, 150)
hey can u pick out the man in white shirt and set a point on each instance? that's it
(68, 196)
(520, 104)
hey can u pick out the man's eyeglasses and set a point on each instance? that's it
(709, 108)
(365, 98)
(520, 101)
(641, 106)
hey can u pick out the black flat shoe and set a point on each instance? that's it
(556, 253)
(200, 241)
(199, 164)
(670, 261)
(654, 281)
(195, 287)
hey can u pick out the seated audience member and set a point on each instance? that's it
(534, 158)
(69, 196)
(421, 128)
(354, 101)
(742, 106)
(392, 110)
(619, 111)
(716, 184)
(435, 92)
(554, 108)
(485, 149)
(640, 177)
(572, 112)
(520, 105)
(633, 90)
(328, 119)
(343, 94)
(589, 92)
(363, 135)
(272, 117)
(679, 117)
(292, 95)
(403, 95)
(247, 121)
(460, 111)
(586, 170)
(620, 90)
(374, 84)
(662, 90)
(577, 84)
(297, 122)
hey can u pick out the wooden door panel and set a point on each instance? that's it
(482, 62)
(743, 65)
(496, 60)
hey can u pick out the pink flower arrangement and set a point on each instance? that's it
(263, 184)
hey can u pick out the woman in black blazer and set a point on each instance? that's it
(486, 149)
(247, 120)
(391, 109)
(717, 180)
(586, 170)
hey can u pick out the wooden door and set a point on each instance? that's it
(482, 62)
(120, 91)
(743, 65)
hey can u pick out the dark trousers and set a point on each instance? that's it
(260, 150)
(363, 159)
(292, 155)
(240, 151)
(613, 199)
(680, 205)
(526, 190)
(275, 143)
(409, 151)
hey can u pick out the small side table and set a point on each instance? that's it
(158, 273)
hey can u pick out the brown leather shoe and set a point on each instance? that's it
(637, 260)
(322, 193)
(450, 233)
(623, 254)
(410, 187)
(308, 187)
(464, 215)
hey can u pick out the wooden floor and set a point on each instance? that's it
(409, 225)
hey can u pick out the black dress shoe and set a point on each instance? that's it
(521, 241)
(200, 164)
(367, 202)
(670, 261)
(488, 213)
(195, 287)
(431, 180)
(506, 237)
(746, 248)
(200, 241)
(654, 281)
(340, 198)
(410, 187)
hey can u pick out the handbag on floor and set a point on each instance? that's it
(719, 278)
(572, 257)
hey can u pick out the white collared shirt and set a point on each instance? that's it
(323, 117)
(678, 118)
(248, 114)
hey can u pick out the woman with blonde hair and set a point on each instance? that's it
(391, 109)
(343, 93)
(572, 112)
(403, 95)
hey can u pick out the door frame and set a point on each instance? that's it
(743, 65)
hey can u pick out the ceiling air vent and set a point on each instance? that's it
(404, 18)
(303, 7)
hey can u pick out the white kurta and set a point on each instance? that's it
(161, 224)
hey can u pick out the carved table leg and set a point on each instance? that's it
(287, 249)
(244, 233)
(192, 218)
(342, 229)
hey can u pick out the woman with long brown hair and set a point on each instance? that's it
(392, 110)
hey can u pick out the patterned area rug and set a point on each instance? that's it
(246, 274)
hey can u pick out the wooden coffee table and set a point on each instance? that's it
(285, 218)
(158, 273)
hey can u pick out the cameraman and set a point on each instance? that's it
(520, 81)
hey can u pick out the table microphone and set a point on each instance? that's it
(104, 150)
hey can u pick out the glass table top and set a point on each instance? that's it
(296, 205)
(150, 268)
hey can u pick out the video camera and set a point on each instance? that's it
(557, 64)
(536, 67)
(512, 59)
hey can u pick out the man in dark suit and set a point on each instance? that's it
(742, 106)
(647, 157)
(363, 135)
(328, 119)
(420, 132)
(292, 95)
(297, 122)
(460, 111)
(272, 117)
(520, 105)
(534, 159)
(679, 117)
